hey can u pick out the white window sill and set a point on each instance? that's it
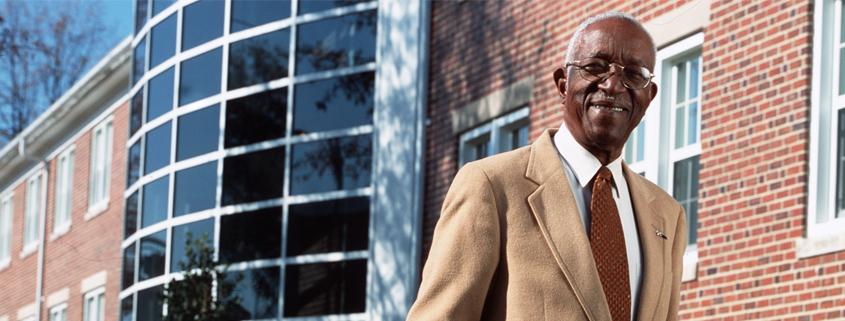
(29, 249)
(4, 263)
(58, 232)
(690, 264)
(96, 209)
(822, 241)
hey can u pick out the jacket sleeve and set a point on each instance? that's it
(464, 252)
(678, 249)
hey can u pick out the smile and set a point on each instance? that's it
(607, 108)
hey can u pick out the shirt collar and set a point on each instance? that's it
(582, 162)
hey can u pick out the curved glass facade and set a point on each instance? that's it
(252, 123)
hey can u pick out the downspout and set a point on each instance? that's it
(42, 227)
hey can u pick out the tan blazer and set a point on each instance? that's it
(510, 245)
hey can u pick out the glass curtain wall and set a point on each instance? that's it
(251, 129)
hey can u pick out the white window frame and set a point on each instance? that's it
(63, 207)
(98, 296)
(6, 215)
(34, 208)
(100, 175)
(496, 129)
(59, 309)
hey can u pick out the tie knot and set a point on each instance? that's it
(604, 173)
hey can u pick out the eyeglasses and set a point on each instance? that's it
(592, 69)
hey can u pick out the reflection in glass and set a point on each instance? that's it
(331, 164)
(249, 13)
(681, 85)
(197, 233)
(150, 302)
(325, 288)
(157, 148)
(334, 103)
(692, 122)
(130, 224)
(309, 6)
(133, 166)
(259, 59)
(253, 177)
(256, 118)
(693, 78)
(154, 208)
(255, 294)
(128, 267)
(679, 126)
(251, 235)
(160, 94)
(139, 61)
(200, 77)
(195, 189)
(198, 133)
(136, 111)
(344, 41)
(163, 41)
(685, 190)
(329, 226)
(840, 170)
(201, 22)
(160, 5)
(151, 260)
(140, 14)
(126, 309)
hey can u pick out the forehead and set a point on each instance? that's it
(617, 40)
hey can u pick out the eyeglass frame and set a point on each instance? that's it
(609, 72)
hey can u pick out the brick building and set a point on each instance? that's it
(313, 143)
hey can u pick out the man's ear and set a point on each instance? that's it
(653, 92)
(560, 82)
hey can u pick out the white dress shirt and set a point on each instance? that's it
(581, 166)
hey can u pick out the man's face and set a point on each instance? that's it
(601, 113)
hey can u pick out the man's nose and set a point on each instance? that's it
(612, 83)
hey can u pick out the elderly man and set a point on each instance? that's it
(562, 229)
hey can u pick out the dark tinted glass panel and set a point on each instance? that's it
(160, 95)
(338, 42)
(309, 6)
(199, 236)
(140, 14)
(254, 294)
(130, 224)
(136, 112)
(251, 235)
(139, 61)
(331, 226)
(154, 209)
(151, 260)
(325, 288)
(150, 303)
(249, 13)
(160, 5)
(840, 165)
(334, 103)
(331, 164)
(259, 59)
(200, 77)
(133, 166)
(201, 22)
(254, 176)
(126, 309)
(198, 133)
(157, 148)
(196, 189)
(163, 41)
(256, 118)
(128, 266)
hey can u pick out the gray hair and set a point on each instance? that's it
(601, 17)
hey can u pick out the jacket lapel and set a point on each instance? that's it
(652, 245)
(553, 206)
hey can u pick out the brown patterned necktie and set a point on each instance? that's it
(608, 244)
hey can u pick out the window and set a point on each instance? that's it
(163, 41)
(58, 313)
(253, 177)
(331, 165)
(195, 189)
(256, 118)
(201, 23)
(139, 62)
(247, 13)
(101, 150)
(502, 134)
(200, 77)
(34, 207)
(160, 94)
(259, 59)
(5, 229)
(64, 192)
(198, 133)
(344, 41)
(155, 199)
(157, 148)
(201, 232)
(334, 103)
(94, 308)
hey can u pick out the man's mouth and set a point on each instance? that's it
(607, 108)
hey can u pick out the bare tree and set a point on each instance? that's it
(44, 48)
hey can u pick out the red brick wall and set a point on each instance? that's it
(90, 246)
(754, 137)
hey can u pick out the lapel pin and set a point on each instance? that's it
(660, 234)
